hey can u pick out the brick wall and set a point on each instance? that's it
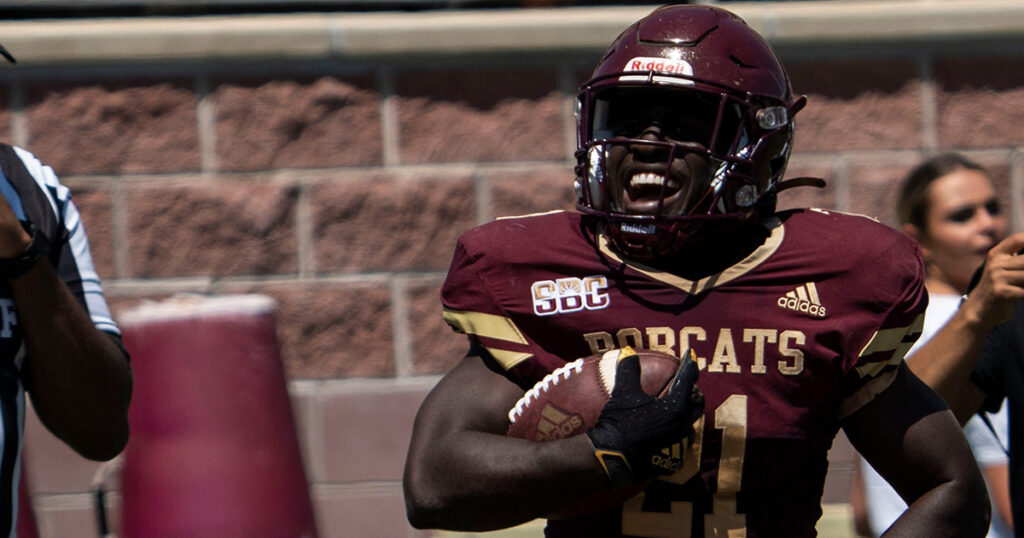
(337, 186)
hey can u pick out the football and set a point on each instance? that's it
(568, 402)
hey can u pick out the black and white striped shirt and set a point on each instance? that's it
(37, 196)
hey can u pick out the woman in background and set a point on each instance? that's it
(949, 205)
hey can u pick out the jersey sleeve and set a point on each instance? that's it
(37, 195)
(78, 272)
(894, 298)
(470, 307)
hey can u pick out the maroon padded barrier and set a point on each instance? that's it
(213, 449)
(26, 525)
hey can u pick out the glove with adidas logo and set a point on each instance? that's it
(634, 427)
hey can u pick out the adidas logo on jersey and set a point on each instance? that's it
(670, 458)
(803, 299)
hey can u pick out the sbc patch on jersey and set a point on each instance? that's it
(568, 295)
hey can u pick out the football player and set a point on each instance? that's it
(797, 321)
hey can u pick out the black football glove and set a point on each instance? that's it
(634, 427)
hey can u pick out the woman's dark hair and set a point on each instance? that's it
(912, 204)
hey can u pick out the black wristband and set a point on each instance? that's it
(24, 262)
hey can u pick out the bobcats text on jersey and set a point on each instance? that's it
(783, 347)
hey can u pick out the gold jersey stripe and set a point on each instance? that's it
(889, 340)
(485, 325)
(509, 217)
(691, 287)
(508, 359)
(869, 370)
(490, 326)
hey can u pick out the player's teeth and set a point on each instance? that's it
(647, 179)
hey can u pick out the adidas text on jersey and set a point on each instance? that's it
(803, 299)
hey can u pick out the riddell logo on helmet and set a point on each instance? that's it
(659, 65)
(646, 229)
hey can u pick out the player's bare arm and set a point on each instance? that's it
(463, 473)
(79, 380)
(461, 460)
(912, 440)
(945, 362)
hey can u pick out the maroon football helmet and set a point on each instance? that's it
(690, 88)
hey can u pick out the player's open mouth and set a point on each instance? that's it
(645, 189)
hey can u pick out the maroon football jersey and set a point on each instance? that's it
(789, 341)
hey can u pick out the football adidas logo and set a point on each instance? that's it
(803, 299)
(557, 424)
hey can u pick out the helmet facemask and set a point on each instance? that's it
(658, 161)
(732, 105)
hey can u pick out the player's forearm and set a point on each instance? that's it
(79, 381)
(478, 482)
(945, 362)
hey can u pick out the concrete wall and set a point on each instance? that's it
(330, 161)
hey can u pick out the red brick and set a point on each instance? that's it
(375, 224)
(874, 187)
(366, 432)
(857, 105)
(115, 127)
(329, 329)
(94, 204)
(436, 347)
(489, 115)
(540, 189)
(809, 196)
(230, 227)
(980, 101)
(297, 123)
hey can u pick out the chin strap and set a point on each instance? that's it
(799, 182)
